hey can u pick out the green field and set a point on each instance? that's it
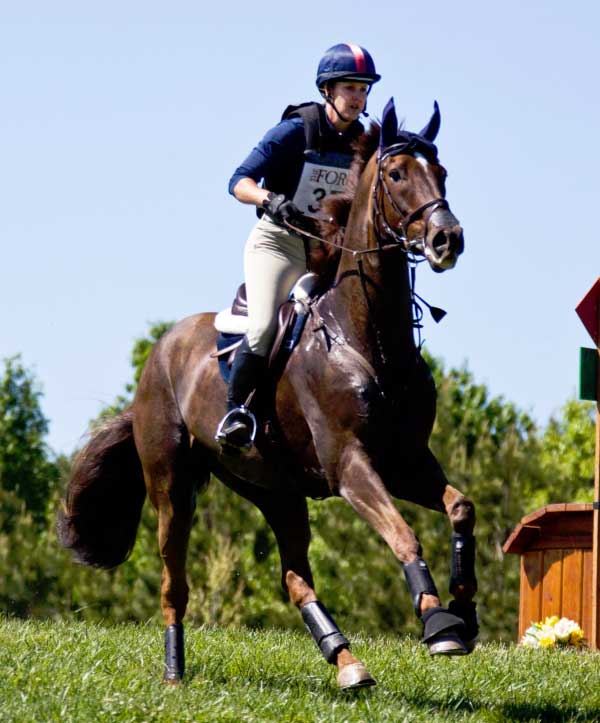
(81, 672)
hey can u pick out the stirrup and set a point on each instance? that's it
(244, 419)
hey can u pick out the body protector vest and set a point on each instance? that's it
(327, 157)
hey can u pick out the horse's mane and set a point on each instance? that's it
(324, 258)
(337, 208)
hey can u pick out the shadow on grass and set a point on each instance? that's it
(511, 711)
(547, 713)
(454, 704)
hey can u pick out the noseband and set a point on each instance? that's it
(400, 233)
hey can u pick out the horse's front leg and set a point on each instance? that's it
(361, 486)
(429, 487)
(288, 517)
(463, 582)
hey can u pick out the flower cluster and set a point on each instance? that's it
(553, 633)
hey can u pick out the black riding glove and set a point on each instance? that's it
(280, 209)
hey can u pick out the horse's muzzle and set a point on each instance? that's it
(444, 241)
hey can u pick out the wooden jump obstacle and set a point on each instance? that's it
(555, 545)
(559, 544)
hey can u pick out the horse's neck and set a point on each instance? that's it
(372, 304)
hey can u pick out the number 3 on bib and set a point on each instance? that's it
(322, 176)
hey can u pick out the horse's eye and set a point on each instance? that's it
(395, 175)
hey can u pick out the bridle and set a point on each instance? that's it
(383, 227)
(381, 221)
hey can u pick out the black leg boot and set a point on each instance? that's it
(237, 426)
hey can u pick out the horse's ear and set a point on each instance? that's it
(431, 129)
(389, 125)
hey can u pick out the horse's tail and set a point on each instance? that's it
(105, 495)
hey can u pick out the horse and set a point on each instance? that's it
(353, 410)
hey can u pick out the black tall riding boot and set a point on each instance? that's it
(236, 427)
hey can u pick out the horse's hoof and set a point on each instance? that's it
(470, 644)
(447, 644)
(442, 632)
(467, 611)
(355, 675)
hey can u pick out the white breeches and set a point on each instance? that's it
(274, 260)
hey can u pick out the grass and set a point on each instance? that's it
(67, 672)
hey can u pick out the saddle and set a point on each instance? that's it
(232, 324)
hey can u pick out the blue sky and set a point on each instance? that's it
(122, 123)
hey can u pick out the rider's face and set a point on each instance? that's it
(350, 97)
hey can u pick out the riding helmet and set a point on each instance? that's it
(346, 61)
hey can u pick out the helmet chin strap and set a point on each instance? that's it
(339, 115)
(329, 100)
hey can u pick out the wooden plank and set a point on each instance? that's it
(586, 606)
(595, 637)
(521, 539)
(552, 583)
(563, 519)
(572, 586)
(563, 542)
(579, 506)
(557, 507)
(530, 603)
(588, 310)
(595, 629)
(568, 523)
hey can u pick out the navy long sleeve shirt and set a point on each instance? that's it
(277, 158)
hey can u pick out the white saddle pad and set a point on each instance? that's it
(228, 323)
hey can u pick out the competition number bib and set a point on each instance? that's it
(322, 176)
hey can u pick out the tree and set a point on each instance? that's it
(489, 449)
(26, 469)
(139, 356)
(567, 456)
(142, 348)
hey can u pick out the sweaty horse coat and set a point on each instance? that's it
(354, 407)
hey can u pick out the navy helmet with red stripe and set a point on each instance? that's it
(346, 61)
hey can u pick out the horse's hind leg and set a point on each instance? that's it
(288, 517)
(172, 481)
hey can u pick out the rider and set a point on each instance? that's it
(300, 161)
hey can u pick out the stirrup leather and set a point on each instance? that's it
(242, 415)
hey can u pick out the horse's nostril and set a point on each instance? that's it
(440, 242)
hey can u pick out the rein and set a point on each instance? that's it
(355, 253)
(400, 240)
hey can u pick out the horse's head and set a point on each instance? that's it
(409, 193)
